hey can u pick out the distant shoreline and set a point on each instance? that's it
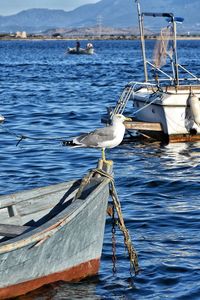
(106, 37)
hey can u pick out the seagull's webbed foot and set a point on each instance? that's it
(104, 157)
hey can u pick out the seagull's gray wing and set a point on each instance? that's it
(96, 137)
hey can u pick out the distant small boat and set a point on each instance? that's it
(89, 50)
(51, 233)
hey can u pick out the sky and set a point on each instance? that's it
(9, 7)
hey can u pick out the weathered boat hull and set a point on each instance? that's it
(68, 247)
(79, 272)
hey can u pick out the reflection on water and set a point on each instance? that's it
(182, 154)
(61, 290)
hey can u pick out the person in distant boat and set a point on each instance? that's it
(89, 46)
(78, 45)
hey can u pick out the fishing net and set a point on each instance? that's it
(163, 47)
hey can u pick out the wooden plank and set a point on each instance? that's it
(12, 230)
(139, 125)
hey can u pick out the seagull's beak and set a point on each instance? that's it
(127, 119)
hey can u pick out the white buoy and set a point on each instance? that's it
(2, 119)
(194, 103)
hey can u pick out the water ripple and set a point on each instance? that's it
(45, 92)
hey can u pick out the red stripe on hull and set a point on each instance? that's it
(73, 274)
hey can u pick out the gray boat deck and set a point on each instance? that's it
(13, 230)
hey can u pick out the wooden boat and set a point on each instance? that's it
(167, 103)
(88, 51)
(52, 233)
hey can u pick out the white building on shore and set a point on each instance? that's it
(22, 35)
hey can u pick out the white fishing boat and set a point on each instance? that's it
(89, 50)
(167, 103)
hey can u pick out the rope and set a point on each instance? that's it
(143, 107)
(134, 266)
(120, 222)
(86, 179)
(21, 137)
(128, 91)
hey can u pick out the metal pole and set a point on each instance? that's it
(141, 28)
(175, 54)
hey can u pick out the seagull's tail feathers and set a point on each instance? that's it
(69, 143)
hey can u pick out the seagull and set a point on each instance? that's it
(106, 137)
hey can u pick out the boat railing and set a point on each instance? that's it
(170, 78)
(126, 95)
(193, 77)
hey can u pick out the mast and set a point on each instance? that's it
(174, 59)
(176, 79)
(141, 28)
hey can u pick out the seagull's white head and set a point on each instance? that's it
(119, 118)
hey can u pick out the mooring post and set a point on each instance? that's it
(105, 165)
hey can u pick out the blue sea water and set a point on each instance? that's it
(46, 93)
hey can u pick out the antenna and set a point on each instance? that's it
(99, 24)
(141, 28)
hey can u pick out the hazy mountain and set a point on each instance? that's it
(115, 13)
